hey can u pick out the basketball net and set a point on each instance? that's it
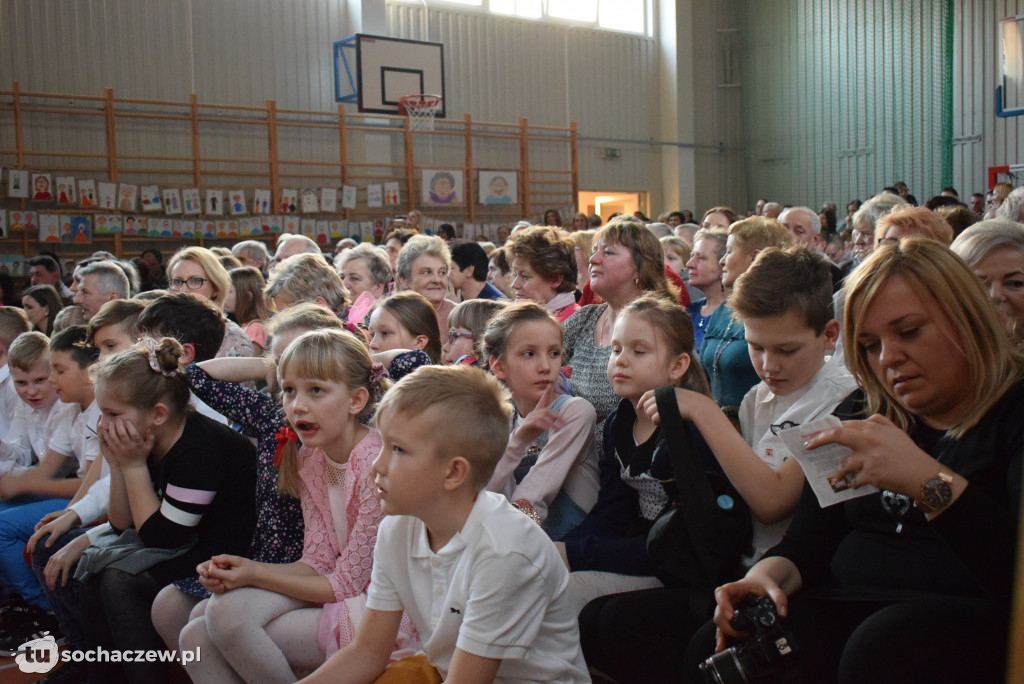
(421, 110)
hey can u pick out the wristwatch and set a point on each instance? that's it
(937, 492)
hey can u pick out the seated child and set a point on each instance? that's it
(549, 469)
(13, 322)
(466, 325)
(71, 449)
(65, 538)
(482, 583)
(403, 321)
(784, 300)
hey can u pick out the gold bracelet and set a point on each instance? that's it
(527, 508)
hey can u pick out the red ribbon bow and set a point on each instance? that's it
(283, 436)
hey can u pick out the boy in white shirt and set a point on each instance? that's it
(60, 537)
(13, 322)
(481, 582)
(27, 496)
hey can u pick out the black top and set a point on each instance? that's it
(206, 484)
(880, 545)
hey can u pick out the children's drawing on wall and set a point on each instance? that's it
(308, 227)
(310, 205)
(107, 223)
(31, 221)
(391, 195)
(17, 183)
(374, 196)
(126, 196)
(131, 225)
(215, 202)
(190, 201)
(497, 187)
(237, 202)
(172, 201)
(151, 198)
(81, 229)
(49, 228)
(322, 233)
(289, 200)
(11, 264)
(41, 188)
(108, 195)
(442, 186)
(184, 229)
(162, 227)
(261, 202)
(86, 193)
(348, 197)
(207, 228)
(328, 200)
(3, 223)
(65, 190)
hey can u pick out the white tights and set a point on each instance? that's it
(253, 635)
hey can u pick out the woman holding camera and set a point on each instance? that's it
(912, 583)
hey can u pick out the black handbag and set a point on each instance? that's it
(697, 541)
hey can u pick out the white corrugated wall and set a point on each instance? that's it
(980, 138)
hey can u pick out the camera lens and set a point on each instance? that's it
(723, 668)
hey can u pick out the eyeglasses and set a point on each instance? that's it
(193, 283)
(453, 335)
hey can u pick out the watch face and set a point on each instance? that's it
(936, 493)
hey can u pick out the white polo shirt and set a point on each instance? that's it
(762, 410)
(496, 590)
(79, 439)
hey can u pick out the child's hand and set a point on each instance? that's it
(214, 585)
(122, 444)
(58, 568)
(231, 572)
(649, 405)
(540, 419)
(55, 524)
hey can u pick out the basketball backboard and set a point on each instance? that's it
(385, 70)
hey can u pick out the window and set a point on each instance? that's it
(614, 15)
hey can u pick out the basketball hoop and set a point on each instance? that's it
(421, 110)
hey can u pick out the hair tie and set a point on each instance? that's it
(351, 327)
(377, 373)
(283, 436)
(154, 363)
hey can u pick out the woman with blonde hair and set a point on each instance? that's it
(995, 250)
(906, 222)
(907, 577)
(198, 271)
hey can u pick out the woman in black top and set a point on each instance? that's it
(914, 582)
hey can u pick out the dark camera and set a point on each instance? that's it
(768, 655)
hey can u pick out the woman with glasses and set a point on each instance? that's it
(907, 222)
(197, 270)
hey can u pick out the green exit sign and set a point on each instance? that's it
(611, 153)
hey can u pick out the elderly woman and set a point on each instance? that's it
(724, 350)
(423, 266)
(907, 222)
(898, 585)
(307, 278)
(864, 221)
(544, 267)
(705, 267)
(198, 271)
(364, 268)
(627, 261)
(995, 250)
(499, 272)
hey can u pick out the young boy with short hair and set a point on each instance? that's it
(481, 582)
(115, 327)
(72, 447)
(784, 301)
(13, 322)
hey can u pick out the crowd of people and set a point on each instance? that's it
(442, 458)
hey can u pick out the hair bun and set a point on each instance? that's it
(168, 354)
